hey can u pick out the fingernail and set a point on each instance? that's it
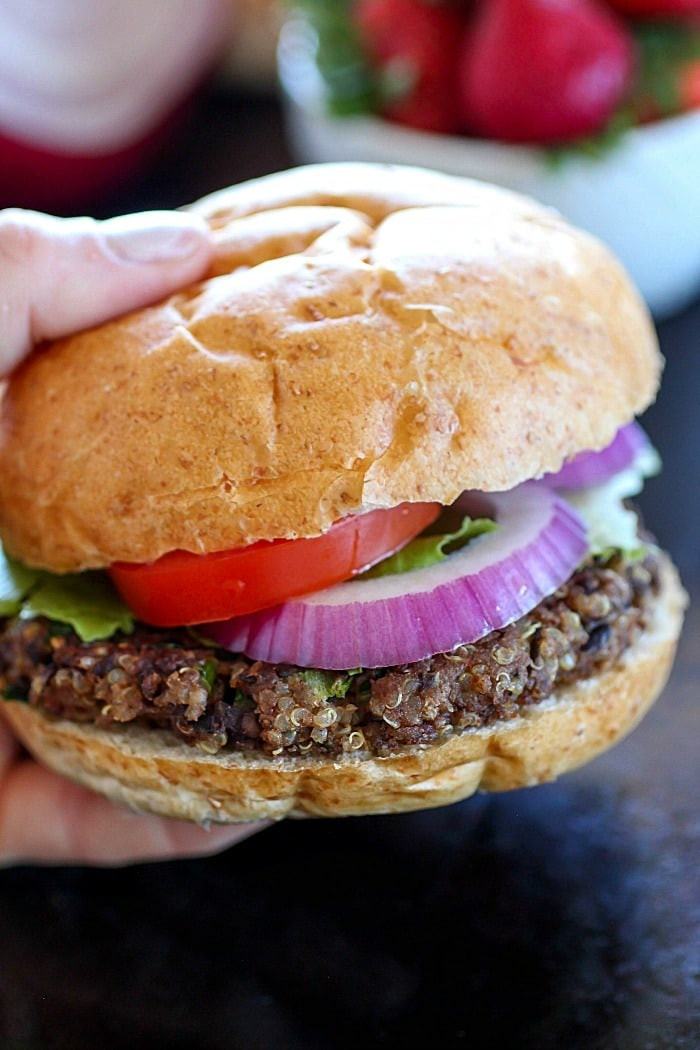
(153, 236)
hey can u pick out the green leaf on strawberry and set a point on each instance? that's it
(665, 49)
(351, 83)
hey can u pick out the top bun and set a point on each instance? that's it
(368, 334)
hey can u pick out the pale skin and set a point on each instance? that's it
(58, 276)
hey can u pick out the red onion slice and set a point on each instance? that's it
(407, 617)
(628, 446)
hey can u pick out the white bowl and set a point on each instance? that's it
(642, 197)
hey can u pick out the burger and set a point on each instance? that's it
(345, 527)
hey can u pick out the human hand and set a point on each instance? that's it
(58, 276)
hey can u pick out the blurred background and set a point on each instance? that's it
(564, 917)
(593, 106)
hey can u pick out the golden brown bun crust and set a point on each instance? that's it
(375, 335)
(150, 770)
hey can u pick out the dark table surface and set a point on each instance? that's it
(567, 916)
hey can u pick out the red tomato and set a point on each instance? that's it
(415, 44)
(183, 588)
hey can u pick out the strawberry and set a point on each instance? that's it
(657, 8)
(415, 47)
(543, 71)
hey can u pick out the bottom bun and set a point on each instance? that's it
(151, 771)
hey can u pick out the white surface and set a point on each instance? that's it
(95, 75)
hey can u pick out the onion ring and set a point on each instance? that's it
(400, 619)
(629, 446)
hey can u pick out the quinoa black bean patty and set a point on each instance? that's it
(217, 700)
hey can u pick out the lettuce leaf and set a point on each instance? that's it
(428, 550)
(611, 525)
(16, 581)
(85, 601)
(207, 674)
(328, 684)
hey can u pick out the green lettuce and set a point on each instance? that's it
(612, 526)
(16, 582)
(207, 674)
(85, 601)
(429, 549)
(327, 684)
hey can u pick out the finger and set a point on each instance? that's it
(46, 819)
(61, 275)
(9, 748)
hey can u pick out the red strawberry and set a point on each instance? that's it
(415, 45)
(656, 8)
(543, 70)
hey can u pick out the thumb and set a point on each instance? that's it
(58, 276)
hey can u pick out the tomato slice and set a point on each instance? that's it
(182, 588)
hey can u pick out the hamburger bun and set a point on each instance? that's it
(368, 335)
(149, 770)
